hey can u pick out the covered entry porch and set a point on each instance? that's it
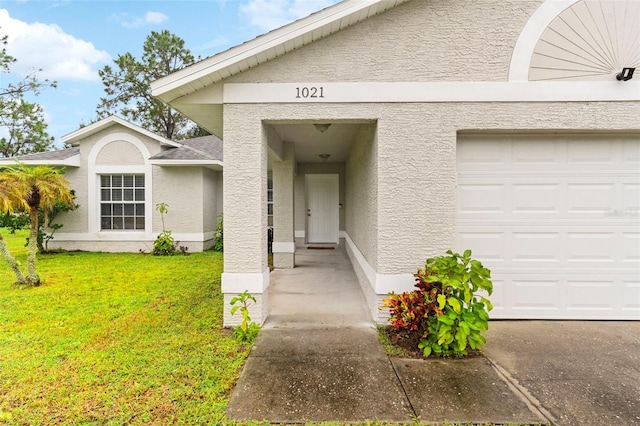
(315, 185)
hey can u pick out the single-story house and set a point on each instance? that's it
(404, 128)
(120, 172)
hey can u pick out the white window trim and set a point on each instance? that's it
(93, 187)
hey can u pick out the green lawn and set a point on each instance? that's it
(115, 339)
(112, 339)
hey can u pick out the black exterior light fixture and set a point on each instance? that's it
(626, 74)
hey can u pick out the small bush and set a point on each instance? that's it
(247, 331)
(218, 235)
(444, 314)
(164, 245)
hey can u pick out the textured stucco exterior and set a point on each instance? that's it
(399, 180)
(361, 223)
(420, 40)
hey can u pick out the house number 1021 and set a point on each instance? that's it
(309, 92)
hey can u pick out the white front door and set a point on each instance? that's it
(322, 208)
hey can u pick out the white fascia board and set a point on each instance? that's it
(408, 92)
(278, 37)
(206, 163)
(110, 121)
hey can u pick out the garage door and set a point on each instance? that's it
(556, 219)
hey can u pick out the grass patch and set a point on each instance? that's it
(115, 338)
(112, 339)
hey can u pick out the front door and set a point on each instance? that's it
(322, 208)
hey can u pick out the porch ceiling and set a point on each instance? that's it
(310, 142)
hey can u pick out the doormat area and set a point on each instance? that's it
(320, 248)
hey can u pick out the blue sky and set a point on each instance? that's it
(70, 40)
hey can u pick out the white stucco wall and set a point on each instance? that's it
(361, 221)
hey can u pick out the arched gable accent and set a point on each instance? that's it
(531, 33)
(118, 153)
(585, 40)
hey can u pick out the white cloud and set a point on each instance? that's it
(270, 14)
(42, 46)
(150, 18)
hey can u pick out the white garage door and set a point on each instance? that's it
(556, 219)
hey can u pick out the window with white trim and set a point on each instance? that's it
(122, 202)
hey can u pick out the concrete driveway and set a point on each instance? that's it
(576, 372)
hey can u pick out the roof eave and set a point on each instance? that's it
(212, 164)
(73, 161)
(217, 67)
(100, 125)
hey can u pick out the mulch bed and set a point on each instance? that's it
(409, 346)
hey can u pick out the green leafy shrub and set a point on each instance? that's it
(445, 314)
(247, 331)
(165, 244)
(218, 235)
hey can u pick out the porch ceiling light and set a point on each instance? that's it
(324, 157)
(626, 74)
(322, 127)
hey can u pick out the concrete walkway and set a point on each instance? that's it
(317, 359)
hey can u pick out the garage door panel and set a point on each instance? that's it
(490, 245)
(631, 152)
(542, 152)
(589, 152)
(631, 296)
(631, 248)
(591, 294)
(536, 198)
(592, 246)
(631, 198)
(589, 198)
(482, 198)
(538, 294)
(557, 220)
(536, 247)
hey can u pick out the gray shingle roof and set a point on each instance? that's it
(202, 148)
(61, 154)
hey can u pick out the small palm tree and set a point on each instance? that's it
(31, 188)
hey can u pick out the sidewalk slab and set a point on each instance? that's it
(317, 375)
(461, 390)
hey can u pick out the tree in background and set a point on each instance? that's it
(128, 88)
(22, 125)
(30, 188)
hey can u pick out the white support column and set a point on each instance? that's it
(283, 232)
(245, 216)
